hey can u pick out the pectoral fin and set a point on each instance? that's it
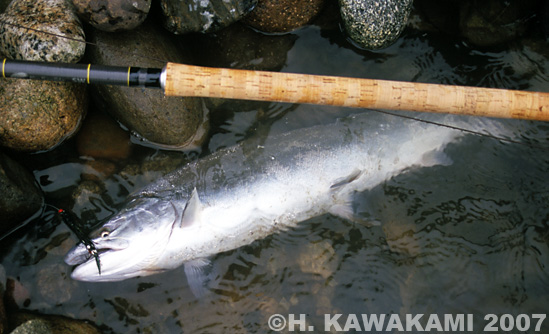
(344, 207)
(434, 158)
(345, 180)
(201, 275)
(193, 209)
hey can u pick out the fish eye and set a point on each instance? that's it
(104, 233)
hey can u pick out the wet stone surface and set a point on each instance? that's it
(283, 15)
(203, 15)
(55, 284)
(39, 115)
(102, 138)
(113, 15)
(51, 16)
(239, 46)
(175, 122)
(374, 24)
(20, 195)
(27, 322)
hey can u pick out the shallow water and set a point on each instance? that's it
(468, 238)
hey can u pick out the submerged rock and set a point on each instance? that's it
(55, 284)
(39, 115)
(374, 24)
(20, 197)
(113, 15)
(16, 295)
(52, 16)
(203, 15)
(102, 138)
(174, 122)
(436, 16)
(492, 22)
(239, 46)
(283, 15)
(318, 259)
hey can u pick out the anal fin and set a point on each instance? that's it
(201, 276)
(346, 212)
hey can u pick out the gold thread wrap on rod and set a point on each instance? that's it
(188, 80)
(88, 74)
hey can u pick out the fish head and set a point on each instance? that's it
(131, 243)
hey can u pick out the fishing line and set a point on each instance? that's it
(486, 135)
(77, 40)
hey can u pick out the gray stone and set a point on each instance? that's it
(49, 324)
(52, 16)
(39, 115)
(169, 121)
(374, 24)
(203, 15)
(35, 326)
(20, 197)
(113, 15)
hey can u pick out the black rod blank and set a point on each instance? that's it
(82, 73)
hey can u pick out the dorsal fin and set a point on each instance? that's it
(193, 209)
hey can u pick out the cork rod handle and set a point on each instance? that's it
(188, 80)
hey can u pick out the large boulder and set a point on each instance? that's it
(175, 122)
(34, 115)
(39, 115)
(42, 30)
(375, 24)
(113, 15)
(276, 16)
(203, 15)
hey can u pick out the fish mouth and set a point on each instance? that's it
(80, 255)
(87, 268)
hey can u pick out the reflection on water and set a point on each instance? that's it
(468, 238)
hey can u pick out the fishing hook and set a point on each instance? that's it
(69, 220)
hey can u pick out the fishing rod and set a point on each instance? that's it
(198, 81)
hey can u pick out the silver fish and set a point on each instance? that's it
(240, 194)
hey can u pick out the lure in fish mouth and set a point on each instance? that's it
(128, 243)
